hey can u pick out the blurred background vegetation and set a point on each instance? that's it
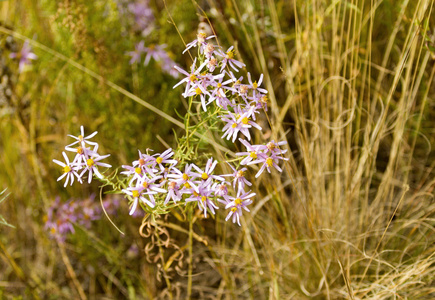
(351, 89)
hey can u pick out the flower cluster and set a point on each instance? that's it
(60, 217)
(267, 155)
(158, 181)
(158, 53)
(86, 160)
(212, 80)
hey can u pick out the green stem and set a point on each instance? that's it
(189, 274)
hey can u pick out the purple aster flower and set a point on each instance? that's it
(192, 78)
(252, 152)
(91, 166)
(184, 179)
(237, 204)
(155, 51)
(232, 127)
(82, 155)
(255, 86)
(239, 178)
(174, 192)
(145, 162)
(221, 99)
(82, 140)
(218, 92)
(137, 53)
(149, 187)
(237, 122)
(243, 92)
(220, 189)
(24, 56)
(200, 40)
(207, 173)
(203, 197)
(211, 64)
(143, 15)
(137, 173)
(137, 196)
(168, 65)
(237, 82)
(68, 170)
(198, 90)
(228, 58)
(273, 147)
(267, 161)
(209, 50)
(164, 159)
(246, 122)
(262, 102)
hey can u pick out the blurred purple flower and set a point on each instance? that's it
(137, 53)
(143, 16)
(61, 217)
(24, 56)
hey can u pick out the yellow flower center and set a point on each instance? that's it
(230, 54)
(145, 184)
(192, 77)
(238, 201)
(234, 125)
(159, 160)
(198, 91)
(53, 230)
(90, 162)
(135, 193)
(187, 185)
(219, 85)
(255, 85)
(195, 194)
(66, 169)
(253, 155)
(245, 120)
(141, 161)
(240, 173)
(204, 176)
(269, 161)
(79, 150)
(264, 99)
(201, 37)
(203, 198)
(138, 170)
(172, 185)
(233, 209)
(80, 138)
(185, 177)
